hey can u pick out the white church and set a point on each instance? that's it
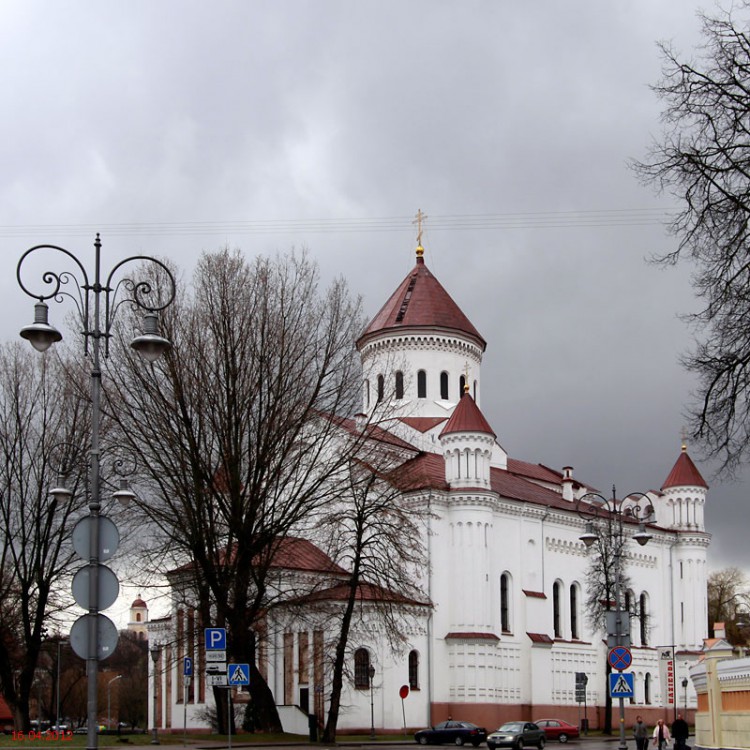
(502, 630)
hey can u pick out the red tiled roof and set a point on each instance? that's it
(422, 424)
(366, 592)
(295, 553)
(534, 471)
(467, 417)
(420, 301)
(684, 473)
(373, 432)
(472, 636)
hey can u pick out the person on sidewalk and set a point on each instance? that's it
(680, 732)
(640, 732)
(661, 735)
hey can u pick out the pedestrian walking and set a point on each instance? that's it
(661, 735)
(680, 732)
(640, 732)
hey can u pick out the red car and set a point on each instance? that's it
(557, 729)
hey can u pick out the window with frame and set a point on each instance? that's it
(381, 387)
(557, 609)
(414, 670)
(461, 386)
(421, 384)
(574, 612)
(399, 385)
(362, 669)
(647, 688)
(444, 385)
(505, 603)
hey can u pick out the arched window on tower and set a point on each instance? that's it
(557, 608)
(475, 390)
(444, 385)
(461, 386)
(505, 603)
(381, 387)
(647, 688)
(399, 385)
(421, 384)
(362, 669)
(414, 670)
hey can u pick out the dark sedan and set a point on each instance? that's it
(454, 732)
(517, 734)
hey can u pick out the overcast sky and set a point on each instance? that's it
(178, 127)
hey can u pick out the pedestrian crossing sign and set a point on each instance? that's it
(238, 674)
(621, 685)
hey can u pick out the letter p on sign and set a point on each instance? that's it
(216, 639)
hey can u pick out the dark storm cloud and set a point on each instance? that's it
(157, 112)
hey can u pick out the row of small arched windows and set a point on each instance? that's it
(421, 386)
(363, 672)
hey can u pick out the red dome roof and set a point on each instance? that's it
(139, 604)
(684, 473)
(467, 417)
(421, 302)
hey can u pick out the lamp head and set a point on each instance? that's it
(40, 334)
(589, 536)
(124, 495)
(150, 345)
(642, 536)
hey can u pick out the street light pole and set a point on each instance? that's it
(109, 695)
(685, 687)
(371, 672)
(592, 507)
(97, 316)
(59, 655)
(155, 653)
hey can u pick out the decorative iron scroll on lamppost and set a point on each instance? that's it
(605, 518)
(94, 635)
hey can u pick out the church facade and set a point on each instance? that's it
(502, 631)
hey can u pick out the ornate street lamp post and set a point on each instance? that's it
(371, 672)
(685, 687)
(155, 653)
(595, 509)
(97, 304)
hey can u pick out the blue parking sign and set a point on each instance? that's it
(187, 666)
(216, 639)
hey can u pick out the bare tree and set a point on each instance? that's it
(729, 602)
(231, 429)
(606, 555)
(702, 159)
(376, 534)
(42, 422)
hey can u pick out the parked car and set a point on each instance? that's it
(517, 734)
(557, 729)
(455, 732)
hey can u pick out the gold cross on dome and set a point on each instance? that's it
(683, 438)
(418, 221)
(466, 379)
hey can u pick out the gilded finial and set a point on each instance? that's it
(420, 217)
(683, 439)
(466, 378)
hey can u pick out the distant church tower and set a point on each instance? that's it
(138, 618)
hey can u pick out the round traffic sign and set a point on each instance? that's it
(106, 636)
(109, 537)
(109, 587)
(620, 658)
